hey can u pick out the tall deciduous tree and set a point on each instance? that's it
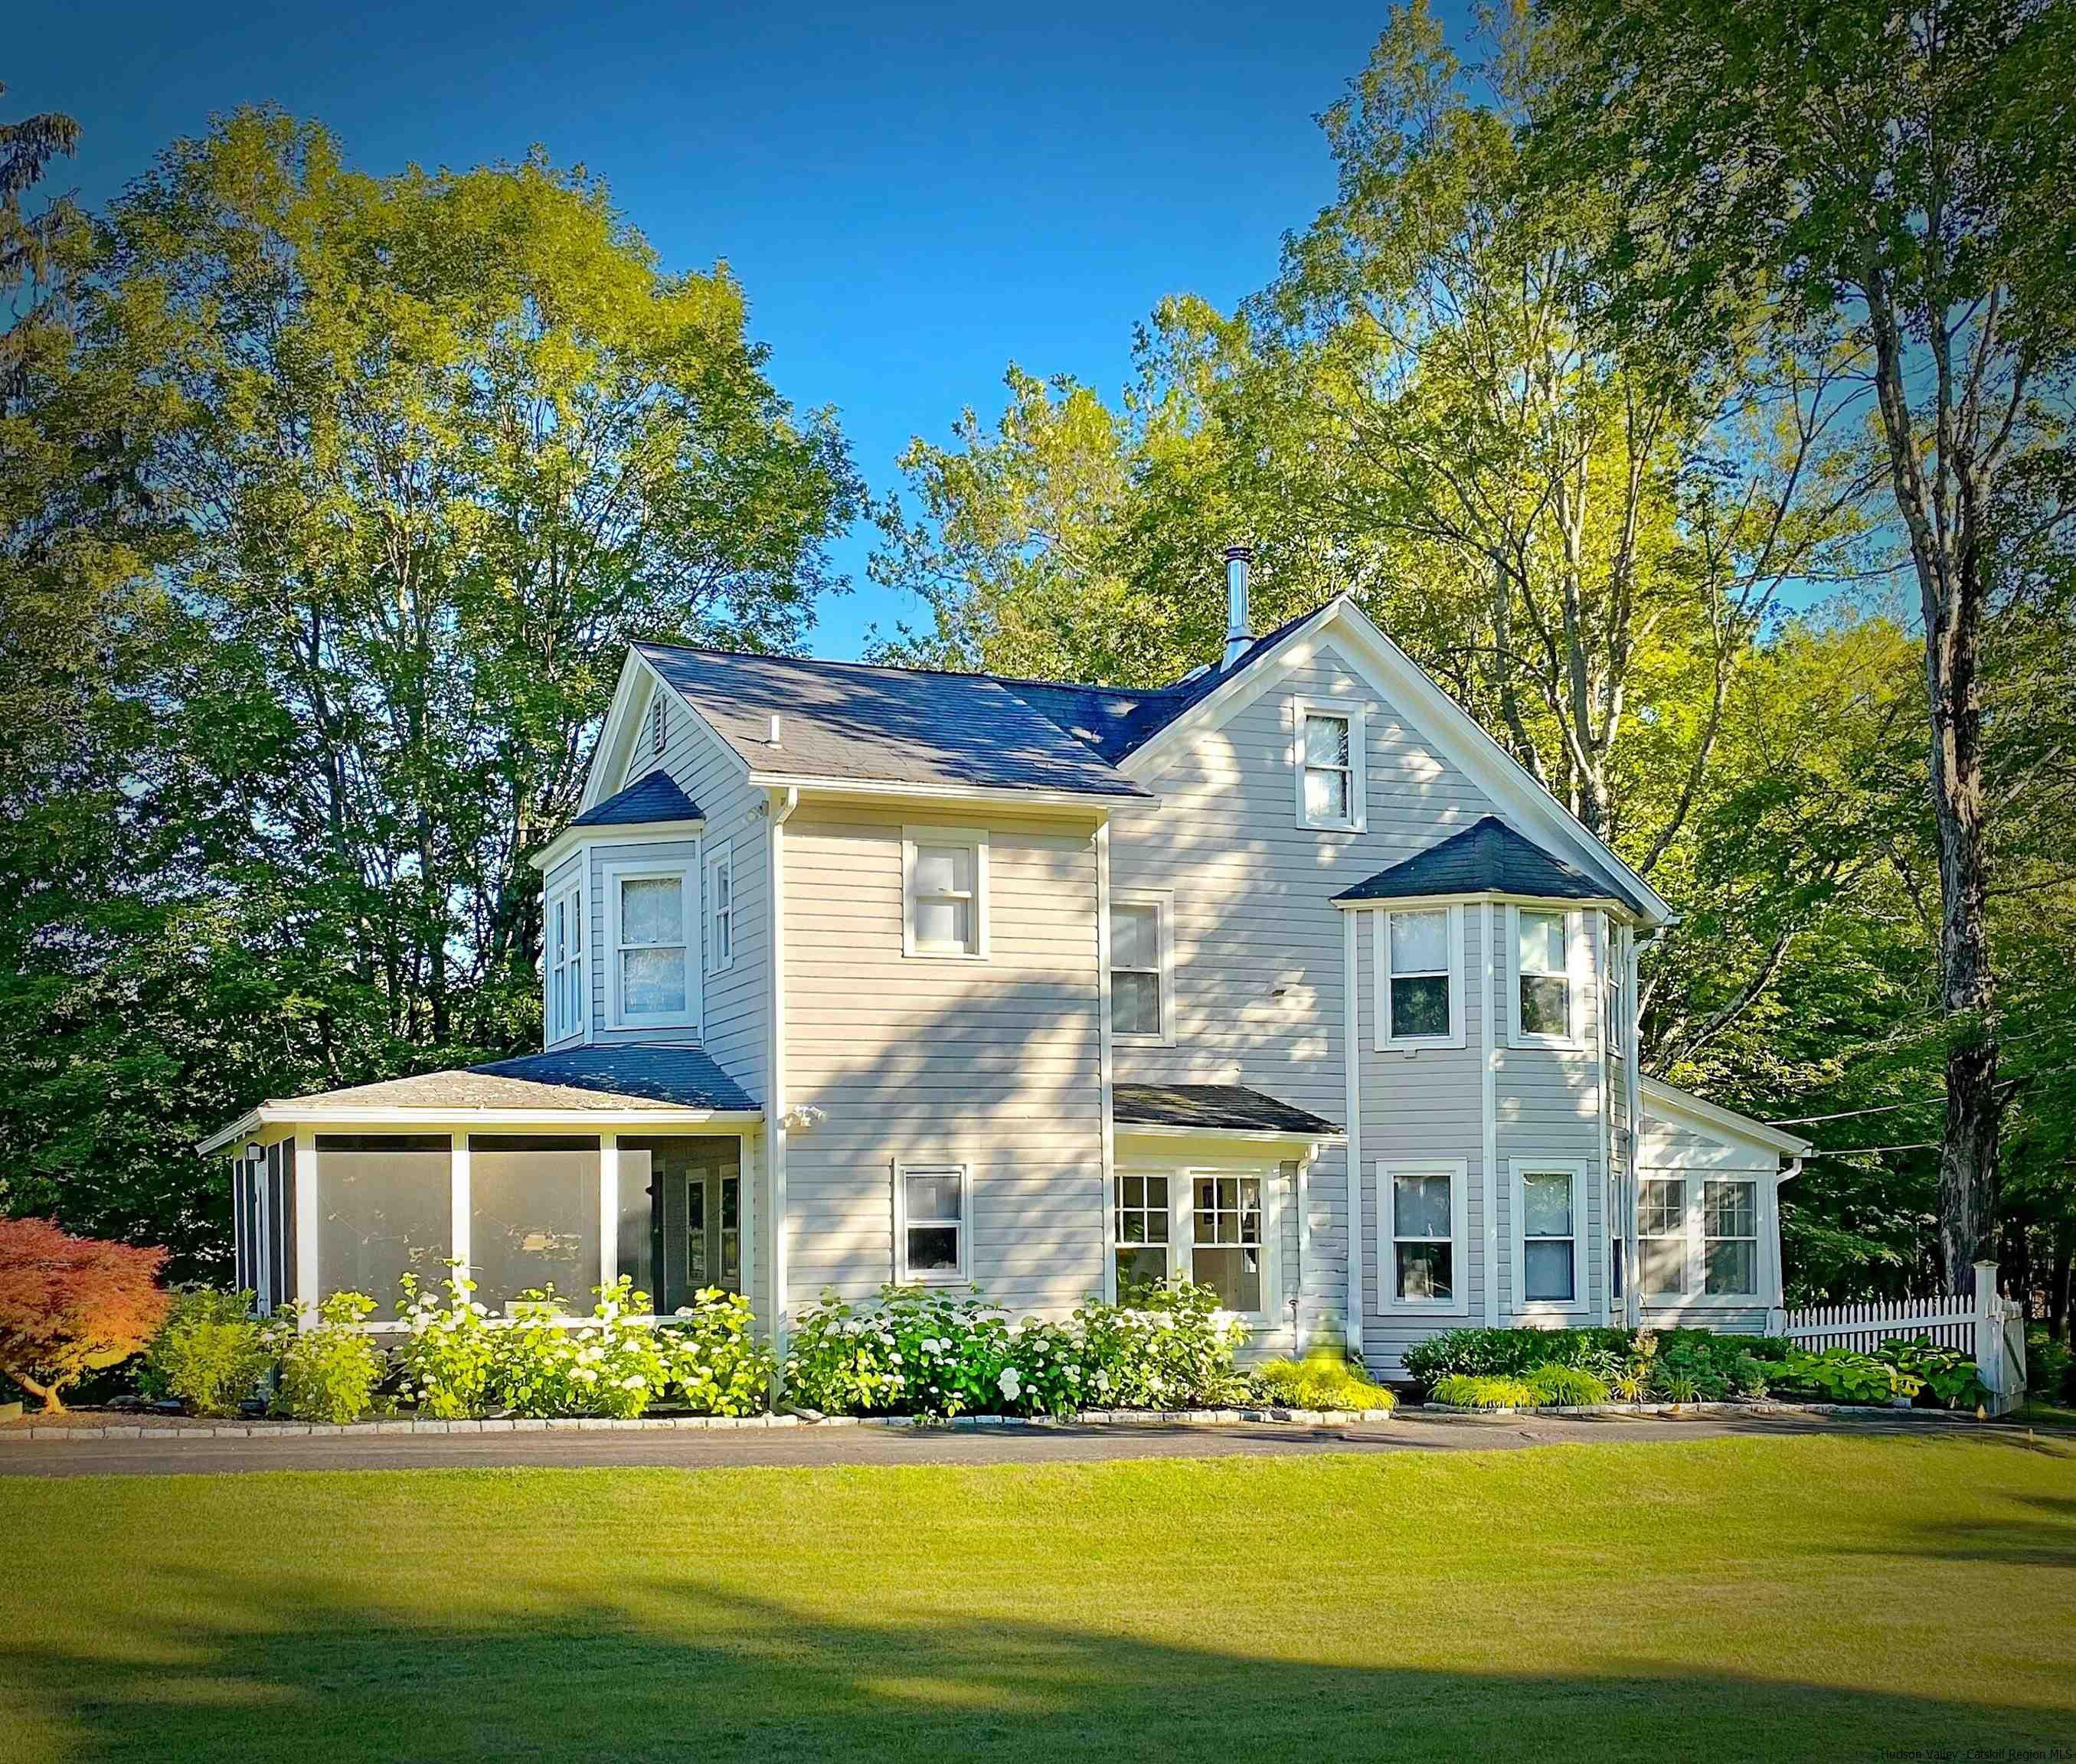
(1895, 179)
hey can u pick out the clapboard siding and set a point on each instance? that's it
(1254, 917)
(993, 1063)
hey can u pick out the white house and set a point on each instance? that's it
(1286, 977)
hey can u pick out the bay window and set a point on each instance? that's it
(563, 935)
(1226, 1238)
(1417, 952)
(720, 909)
(1423, 1251)
(648, 927)
(1215, 1227)
(1542, 992)
(1549, 1236)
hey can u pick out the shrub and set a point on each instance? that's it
(71, 1305)
(1948, 1377)
(1837, 1375)
(448, 1349)
(329, 1373)
(1566, 1387)
(211, 1354)
(2050, 1368)
(543, 1364)
(1512, 1352)
(711, 1357)
(1462, 1391)
(923, 1353)
(1324, 1379)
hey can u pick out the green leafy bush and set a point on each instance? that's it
(2050, 1368)
(447, 1350)
(712, 1360)
(330, 1373)
(1512, 1352)
(1459, 1390)
(211, 1354)
(1566, 1387)
(1324, 1379)
(922, 1353)
(1947, 1377)
(1837, 1375)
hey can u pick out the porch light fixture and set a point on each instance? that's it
(255, 1152)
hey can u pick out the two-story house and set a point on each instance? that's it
(1284, 977)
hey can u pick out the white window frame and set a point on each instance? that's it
(719, 870)
(686, 871)
(1577, 954)
(1615, 992)
(1353, 715)
(974, 839)
(903, 1168)
(571, 893)
(1654, 1296)
(1162, 900)
(1458, 1304)
(1698, 1275)
(1169, 1245)
(1519, 1170)
(1380, 969)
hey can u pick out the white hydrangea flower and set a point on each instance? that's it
(1010, 1384)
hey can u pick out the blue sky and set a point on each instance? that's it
(912, 196)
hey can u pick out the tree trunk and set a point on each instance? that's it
(2057, 1282)
(53, 1404)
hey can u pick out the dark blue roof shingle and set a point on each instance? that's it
(1487, 857)
(654, 798)
(685, 1075)
(1212, 1107)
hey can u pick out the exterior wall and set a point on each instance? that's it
(1259, 956)
(993, 1063)
(733, 1002)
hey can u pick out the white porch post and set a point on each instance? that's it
(458, 1201)
(307, 1295)
(609, 1208)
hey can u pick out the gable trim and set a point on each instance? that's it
(1663, 1100)
(624, 708)
(1430, 712)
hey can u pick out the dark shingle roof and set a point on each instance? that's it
(1487, 857)
(653, 797)
(687, 1076)
(1211, 1106)
(854, 721)
(594, 1078)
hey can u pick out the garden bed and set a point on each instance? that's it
(1761, 1405)
(86, 1425)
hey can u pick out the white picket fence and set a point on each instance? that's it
(1991, 1328)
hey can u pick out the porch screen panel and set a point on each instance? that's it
(533, 1219)
(277, 1238)
(241, 1238)
(284, 1216)
(384, 1209)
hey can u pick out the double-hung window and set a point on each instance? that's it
(1617, 991)
(1423, 1222)
(1141, 966)
(563, 938)
(1418, 952)
(945, 886)
(1548, 1199)
(1329, 766)
(654, 983)
(1542, 977)
(1729, 1239)
(720, 909)
(1142, 1232)
(1661, 1211)
(1226, 1238)
(930, 1224)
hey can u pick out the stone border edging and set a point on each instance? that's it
(294, 1429)
(1648, 1410)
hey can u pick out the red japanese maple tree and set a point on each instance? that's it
(69, 1305)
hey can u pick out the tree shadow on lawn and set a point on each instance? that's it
(2047, 1539)
(675, 1669)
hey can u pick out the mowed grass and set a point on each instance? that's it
(1815, 1598)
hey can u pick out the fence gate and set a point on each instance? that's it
(1991, 1328)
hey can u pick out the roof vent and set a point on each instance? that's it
(1238, 558)
(774, 729)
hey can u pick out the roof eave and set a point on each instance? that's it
(421, 1115)
(1254, 1135)
(909, 789)
(572, 839)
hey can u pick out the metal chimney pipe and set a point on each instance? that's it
(1238, 637)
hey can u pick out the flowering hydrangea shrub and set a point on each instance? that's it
(544, 1364)
(711, 1359)
(922, 1353)
(447, 1350)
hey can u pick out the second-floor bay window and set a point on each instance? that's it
(649, 929)
(564, 940)
(1418, 953)
(1543, 1005)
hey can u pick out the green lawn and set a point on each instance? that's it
(1829, 1598)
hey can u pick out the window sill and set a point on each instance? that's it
(1424, 1043)
(618, 1024)
(1124, 1040)
(1332, 827)
(945, 955)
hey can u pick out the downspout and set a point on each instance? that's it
(1633, 1078)
(1352, 1044)
(783, 804)
(1107, 1063)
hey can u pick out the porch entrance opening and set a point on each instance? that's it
(683, 1232)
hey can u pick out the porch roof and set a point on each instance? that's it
(650, 1080)
(1214, 1108)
